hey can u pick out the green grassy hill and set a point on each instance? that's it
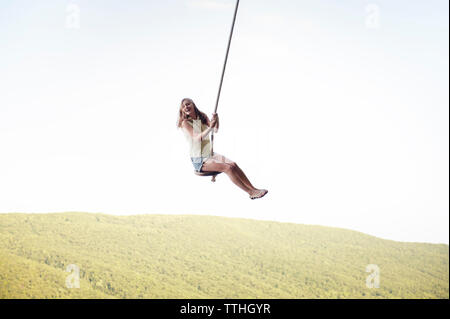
(156, 256)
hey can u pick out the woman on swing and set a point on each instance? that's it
(197, 127)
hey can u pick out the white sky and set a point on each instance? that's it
(342, 112)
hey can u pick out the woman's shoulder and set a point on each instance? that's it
(186, 122)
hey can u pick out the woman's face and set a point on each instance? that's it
(188, 108)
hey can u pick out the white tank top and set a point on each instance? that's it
(197, 148)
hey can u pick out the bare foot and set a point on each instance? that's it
(259, 193)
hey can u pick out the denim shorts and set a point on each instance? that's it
(198, 163)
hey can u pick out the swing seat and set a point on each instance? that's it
(212, 174)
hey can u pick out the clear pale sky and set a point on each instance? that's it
(339, 108)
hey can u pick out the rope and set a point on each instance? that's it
(223, 70)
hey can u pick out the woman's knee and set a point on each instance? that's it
(228, 169)
(233, 165)
(222, 167)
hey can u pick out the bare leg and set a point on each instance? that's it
(213, 166)
(219, 163)
(222, 159)
(244, 178)
(256, 193)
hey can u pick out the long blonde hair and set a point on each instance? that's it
(182, 116)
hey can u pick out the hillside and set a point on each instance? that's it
(160, 256)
